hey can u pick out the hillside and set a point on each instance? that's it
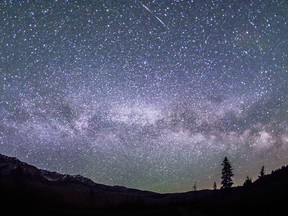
(32, 191)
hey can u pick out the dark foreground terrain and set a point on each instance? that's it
(26, 190)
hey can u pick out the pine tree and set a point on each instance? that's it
(247, 182)
(194, 186)
(215, 186)
(227, 174)
(262, 173)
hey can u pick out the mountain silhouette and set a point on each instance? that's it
(27, 190)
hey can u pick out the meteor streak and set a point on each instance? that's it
(151, 12)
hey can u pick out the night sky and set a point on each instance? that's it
(147, 94)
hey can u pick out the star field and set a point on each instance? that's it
(145, 94)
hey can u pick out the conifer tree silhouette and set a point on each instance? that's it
(247, 182)
(215, 186)
(194, 186)
(227, 174)
(262, 172)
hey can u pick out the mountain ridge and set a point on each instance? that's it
(52, 176)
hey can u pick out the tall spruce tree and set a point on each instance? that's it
(214, 186)
(227, 174)
(262, 172)
(248, 182)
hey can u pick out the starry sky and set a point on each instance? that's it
(148, 94)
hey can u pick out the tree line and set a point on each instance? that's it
(227, 174)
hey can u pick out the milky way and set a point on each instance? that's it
(145, 94)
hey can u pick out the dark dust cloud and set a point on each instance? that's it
(145, 94)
